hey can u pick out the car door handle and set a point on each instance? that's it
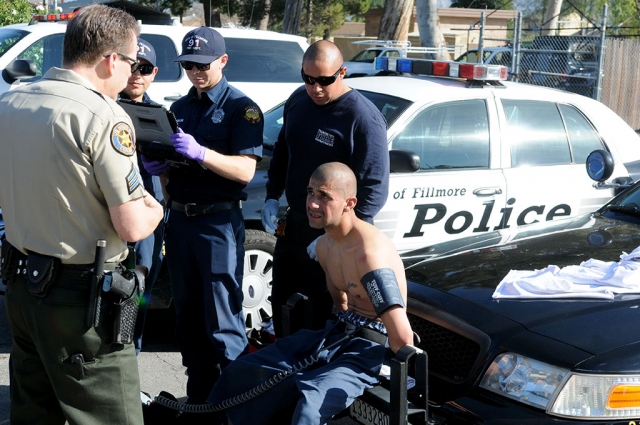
(173, 98)
(487, 191)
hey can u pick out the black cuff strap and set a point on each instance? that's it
(382, 287)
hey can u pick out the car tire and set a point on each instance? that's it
(256, 284)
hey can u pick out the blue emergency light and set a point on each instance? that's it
(468, 71)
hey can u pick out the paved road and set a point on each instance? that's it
(5, 347)
(159, 362)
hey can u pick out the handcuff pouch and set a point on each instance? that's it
(42, 271)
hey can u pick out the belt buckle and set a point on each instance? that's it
(187, 207)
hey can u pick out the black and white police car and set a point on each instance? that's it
(559, 344)
(489, 154)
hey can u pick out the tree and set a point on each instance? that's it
(177, 7)
(292, 16)
(396, 16)
(430, 34)
(316, 17)
(623, 16)
(550, 23)
(15, 11)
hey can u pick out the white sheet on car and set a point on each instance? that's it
(591, 279)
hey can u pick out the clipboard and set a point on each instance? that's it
(154, 125)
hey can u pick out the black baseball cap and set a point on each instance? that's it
(202, 45)
(146, 51)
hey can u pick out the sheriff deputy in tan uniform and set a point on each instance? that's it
(69, 177)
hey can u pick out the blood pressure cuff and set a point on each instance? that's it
(382, 287)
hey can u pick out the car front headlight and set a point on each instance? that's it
(599, 396)
(523, 379)
(561, 392)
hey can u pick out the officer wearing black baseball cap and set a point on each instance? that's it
(149, 250)
(221, 128)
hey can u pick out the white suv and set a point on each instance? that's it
(264, 65)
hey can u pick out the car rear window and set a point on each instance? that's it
(263, 61)
(546, 133)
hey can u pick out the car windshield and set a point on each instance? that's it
(367, 56)
(9, 37)
(626, 205)
(390, 106)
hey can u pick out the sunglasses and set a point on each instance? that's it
(135, 64)
(322, 81)
(201, 66)
(146, 69)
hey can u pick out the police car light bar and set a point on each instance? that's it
(469, 71)
(53, 17)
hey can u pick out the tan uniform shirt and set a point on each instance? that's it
(67, 154)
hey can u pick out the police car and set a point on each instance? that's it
(535, 351)
(2, 285)
(472, 154)
(363, 63)
(263, 64)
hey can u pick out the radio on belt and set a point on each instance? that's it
(470, 71)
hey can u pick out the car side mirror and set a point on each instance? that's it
(600, 165)
(19, 68)
(403, 161)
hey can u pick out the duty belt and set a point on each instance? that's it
(192, 209)
(69, 276)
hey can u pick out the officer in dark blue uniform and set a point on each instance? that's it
(221, 131)
(148, 250)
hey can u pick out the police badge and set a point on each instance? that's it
(218, 116)
(122, 139)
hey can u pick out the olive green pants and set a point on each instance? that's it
(52, 384)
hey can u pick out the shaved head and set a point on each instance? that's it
(324, 51)
(340, 175)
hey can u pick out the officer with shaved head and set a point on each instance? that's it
(324, 121)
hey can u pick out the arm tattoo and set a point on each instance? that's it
(351, 285)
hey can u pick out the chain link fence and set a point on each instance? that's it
(604, 68)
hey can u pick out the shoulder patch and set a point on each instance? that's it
(134, 180)
(122, 139)
(252, 114)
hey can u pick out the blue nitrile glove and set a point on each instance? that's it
(270, 215)
(186, 145)
(155, 168)
(311, 249)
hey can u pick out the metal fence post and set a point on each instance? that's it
(516, 48)
(603, 31)
(481, 40)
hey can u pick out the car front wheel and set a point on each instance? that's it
(256, 284)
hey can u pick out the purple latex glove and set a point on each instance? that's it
(155, 168)
(186, 145)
